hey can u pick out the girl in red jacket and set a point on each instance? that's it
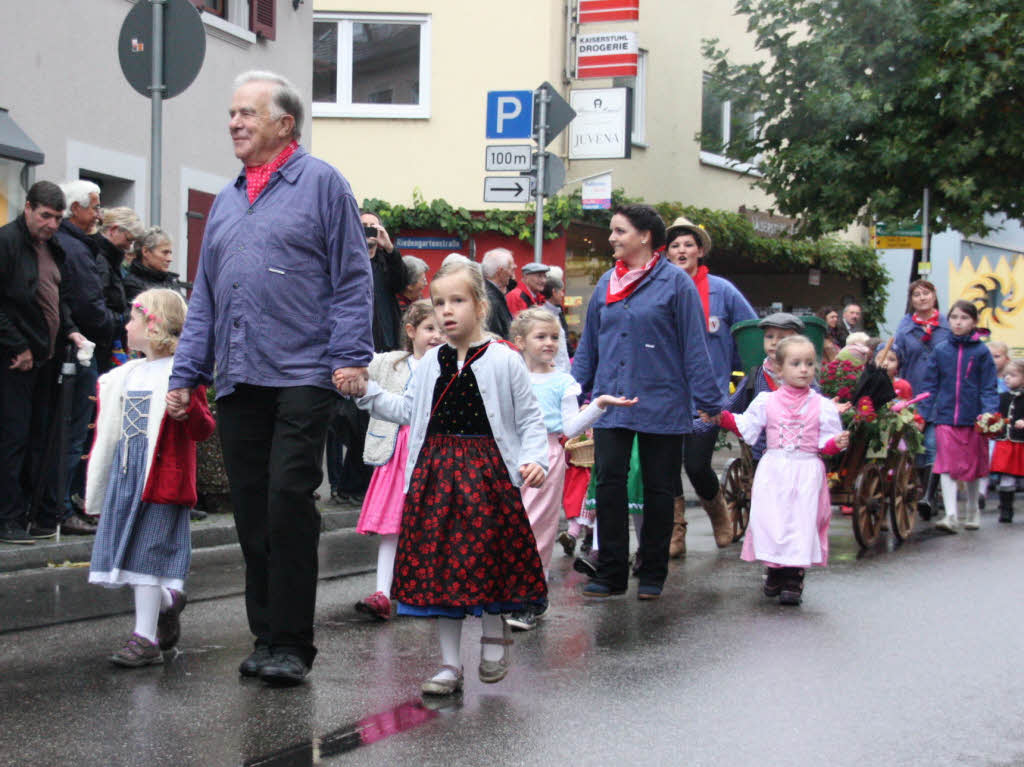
(141, 479)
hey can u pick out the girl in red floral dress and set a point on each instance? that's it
(476, 434)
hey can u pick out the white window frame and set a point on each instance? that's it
(638, 84)
(720, 160)
(234, 28)
(344, 107)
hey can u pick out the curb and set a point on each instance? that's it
(216, 530)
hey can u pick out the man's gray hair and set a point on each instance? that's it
(78, 191)
(495, 259)
(285, 98)
(414, 269)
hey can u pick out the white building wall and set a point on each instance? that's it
(63, 85)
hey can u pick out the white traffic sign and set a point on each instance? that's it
(508, 157)
(506, 189)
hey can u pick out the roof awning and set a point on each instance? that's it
(15, 143)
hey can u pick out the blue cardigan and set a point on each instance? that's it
(961, 377)
(651, 345)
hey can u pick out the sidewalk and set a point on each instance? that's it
(215, 530)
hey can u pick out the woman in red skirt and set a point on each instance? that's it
(475, 435)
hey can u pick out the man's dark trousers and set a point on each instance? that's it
(28, 400)
(273, 441)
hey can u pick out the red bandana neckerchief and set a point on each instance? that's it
(700, 279)
(769, 375)
(929, 325)
(625, 280)
(258, 176)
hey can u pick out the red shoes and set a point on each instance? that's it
(376, 605)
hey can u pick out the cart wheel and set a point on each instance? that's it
(903, 498)
(736, 483)
(868, 505)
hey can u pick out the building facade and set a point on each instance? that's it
(62, 86)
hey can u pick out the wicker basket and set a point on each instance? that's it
(581, 451)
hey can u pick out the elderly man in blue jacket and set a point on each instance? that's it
(282, 301)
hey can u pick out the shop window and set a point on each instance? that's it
(371, 65)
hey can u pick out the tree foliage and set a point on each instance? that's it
(861, 104)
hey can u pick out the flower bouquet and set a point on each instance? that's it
(991, 425)
(897, 420)
(839, 378)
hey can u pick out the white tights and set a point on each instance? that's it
(450, 634)
(386, 563)
(149, 601)
(949, 488)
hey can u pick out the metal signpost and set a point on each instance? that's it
(541, 114)
(151, 28)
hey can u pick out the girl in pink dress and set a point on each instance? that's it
(387, 447)
(790, 508)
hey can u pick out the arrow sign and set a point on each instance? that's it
(505, 189)
(559, 113)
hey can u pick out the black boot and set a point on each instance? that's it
(1006, 506)
(792, 586)
(926, 504)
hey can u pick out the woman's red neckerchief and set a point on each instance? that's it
(626, 280)
(258, 176)
(928, 324)
(700, 279)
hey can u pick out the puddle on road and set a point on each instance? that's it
(365, 732)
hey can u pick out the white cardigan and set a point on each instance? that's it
(511, 407)
(392, 370)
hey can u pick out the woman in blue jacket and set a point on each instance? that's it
(919, 332)
(961, 377)
(643, 337)
(723, 306)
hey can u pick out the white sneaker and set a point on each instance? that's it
(947, 523)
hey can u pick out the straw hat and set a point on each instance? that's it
(684, 225)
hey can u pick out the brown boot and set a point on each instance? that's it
(677, 546)
(721, 519)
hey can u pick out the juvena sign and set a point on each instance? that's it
(602, 126)
(607, 54)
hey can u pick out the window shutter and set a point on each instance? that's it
(262, 18)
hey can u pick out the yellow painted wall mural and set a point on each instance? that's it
(998, 292)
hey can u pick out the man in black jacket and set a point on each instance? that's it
(95, 320)
(35, 324)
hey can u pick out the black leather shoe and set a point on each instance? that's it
(253, 665)
(78, 524)
(11, 532)
(284, 669)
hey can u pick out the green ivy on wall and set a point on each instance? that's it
(731, 233)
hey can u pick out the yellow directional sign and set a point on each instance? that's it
(897, 243)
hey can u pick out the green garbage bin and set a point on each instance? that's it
(750, 339)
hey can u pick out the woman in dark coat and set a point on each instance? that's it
(151, 267)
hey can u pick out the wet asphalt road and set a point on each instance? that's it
(913, 656)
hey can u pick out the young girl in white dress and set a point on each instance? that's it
(387, 448)
(141, 479)
(790, 508)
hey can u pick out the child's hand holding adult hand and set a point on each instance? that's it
(715, 419)
(532, 474)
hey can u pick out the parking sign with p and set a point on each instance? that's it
(509, 114)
